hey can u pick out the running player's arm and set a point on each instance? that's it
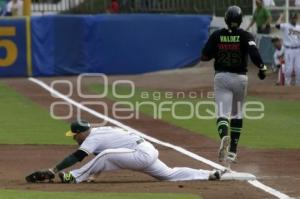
(253, 51)
(209, 49)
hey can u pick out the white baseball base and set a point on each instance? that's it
(232, 175)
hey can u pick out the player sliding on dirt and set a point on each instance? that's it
(114, 149)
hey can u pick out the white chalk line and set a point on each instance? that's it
(254, 183)
(268, 189)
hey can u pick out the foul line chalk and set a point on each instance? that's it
(254, 183)
(269, 190)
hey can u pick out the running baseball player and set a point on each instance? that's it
(114, 149)
(291, 41)
(230, 48)
(278, 59)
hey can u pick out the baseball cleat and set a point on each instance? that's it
(216, 174)
(223, 150)
(231, 157)
(66, 177)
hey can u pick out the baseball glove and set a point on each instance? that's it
(40, 176)
(262, 72)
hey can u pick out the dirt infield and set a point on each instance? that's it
(276, 168)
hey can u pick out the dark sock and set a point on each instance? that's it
(235, 132)
(235, 136)
(223, 125)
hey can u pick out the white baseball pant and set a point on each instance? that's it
(230, 93)
(144, 159)
(292, 63)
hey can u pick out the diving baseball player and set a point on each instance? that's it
(114, 149)
(291, 41)
(230, 48)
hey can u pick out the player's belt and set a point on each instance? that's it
(239, 73)
(292, 47)
(140, 141)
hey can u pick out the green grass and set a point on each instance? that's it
(12, 194)
(23, 122)
(278, 128)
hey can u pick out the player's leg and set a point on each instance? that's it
(161, 171)
(281, 75)
(105, 161)
(223, 97)
(297, 67)
(116, 159)
(236, 123)
(289, 64)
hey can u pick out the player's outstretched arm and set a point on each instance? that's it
(49, 174)
(257, 60)
(255, 57)
(72, 159)
(279, 21)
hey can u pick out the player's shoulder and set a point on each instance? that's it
(245, 34)
(100, 128)
(105, 130)
(218, 32)
(96, 131)
(94, 137)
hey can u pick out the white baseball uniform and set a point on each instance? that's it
(269, 3)
(278, 54)
(15, 8)
(291, 42)
(279, 61)
(119, 149)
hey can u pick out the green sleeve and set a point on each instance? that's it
(254, 16)
(67, 162)
(267, 12)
